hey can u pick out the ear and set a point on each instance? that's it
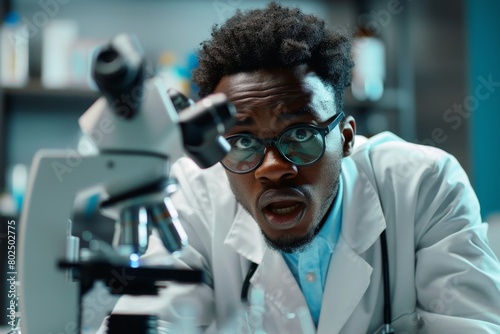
(348, 134)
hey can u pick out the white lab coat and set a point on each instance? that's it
(444, 278)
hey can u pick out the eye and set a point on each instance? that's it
(300, 134)
(244, 143)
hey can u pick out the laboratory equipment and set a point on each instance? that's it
(139, 129)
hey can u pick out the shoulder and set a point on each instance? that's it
(203, 188)
(388, 145)
(388, 155)
(189, 174)
(417, 184)
(418, 175)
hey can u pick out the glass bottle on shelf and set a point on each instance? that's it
(14, 39)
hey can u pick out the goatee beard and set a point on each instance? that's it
(292, 243)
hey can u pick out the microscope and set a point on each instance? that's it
(139, 128)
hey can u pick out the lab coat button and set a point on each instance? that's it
(310, 277)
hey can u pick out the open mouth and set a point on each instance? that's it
(284, 210)
(283, 215)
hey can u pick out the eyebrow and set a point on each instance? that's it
(247, 121)
(306, 110)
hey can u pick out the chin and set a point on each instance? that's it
(289, 243)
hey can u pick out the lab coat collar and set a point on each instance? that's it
(346, 283)
(245, 237)
(363, 217)
(349, 274)
(347, 280)
(287, 305)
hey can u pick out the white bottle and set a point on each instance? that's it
(58, 38)
(14, 60)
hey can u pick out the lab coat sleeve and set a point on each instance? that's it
(457, 275)
(178, 301)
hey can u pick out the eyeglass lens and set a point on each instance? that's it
(302, 146)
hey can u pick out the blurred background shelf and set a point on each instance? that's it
(34, 88)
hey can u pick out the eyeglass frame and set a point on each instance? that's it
(271, 142)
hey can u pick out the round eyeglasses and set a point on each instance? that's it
(301, 144)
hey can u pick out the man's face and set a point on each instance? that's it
(288, 202)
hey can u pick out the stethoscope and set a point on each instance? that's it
(387, 327)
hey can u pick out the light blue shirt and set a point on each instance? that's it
(310, 267)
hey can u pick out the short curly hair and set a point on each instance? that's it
(274, 37)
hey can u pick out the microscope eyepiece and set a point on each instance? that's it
(203, 126)
(203, 123)
(108, 63)
(119, 72)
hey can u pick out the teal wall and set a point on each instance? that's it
(484, 99)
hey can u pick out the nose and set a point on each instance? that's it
(274, 167)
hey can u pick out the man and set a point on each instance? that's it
(311, 206)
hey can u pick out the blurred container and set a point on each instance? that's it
(58, 38)
(369, 71)
(19, 179)
(14, 58)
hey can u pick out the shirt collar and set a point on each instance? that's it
(330, 231)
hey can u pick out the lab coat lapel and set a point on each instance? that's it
(284, 299)
(349, 274)
(347, 280)
(245, 237)
(287, 310)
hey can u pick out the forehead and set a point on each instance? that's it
(279, 91)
